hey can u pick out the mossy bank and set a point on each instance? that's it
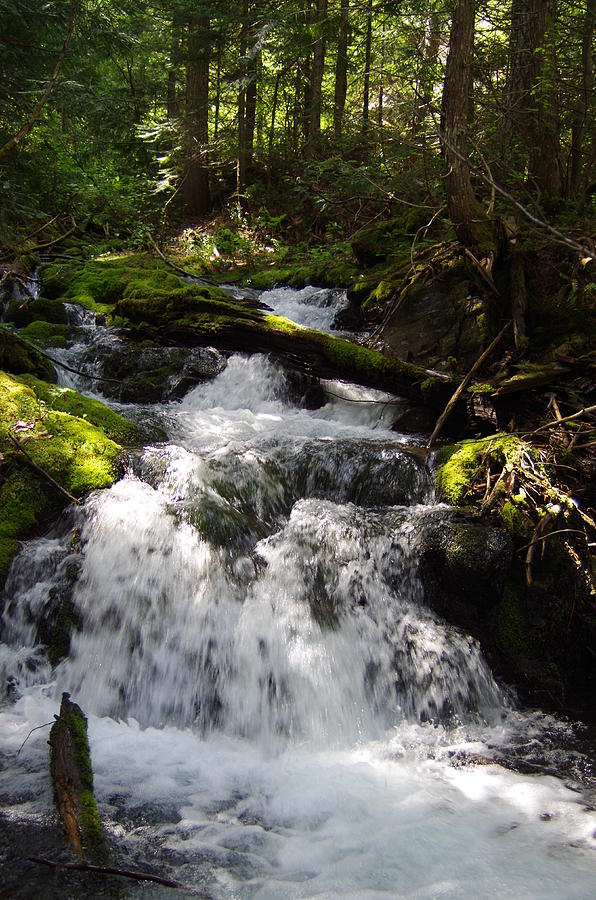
(77, 441)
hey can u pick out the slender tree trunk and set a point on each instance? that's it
(582, 110)
(273, 115)
(432, 46)
(217, 96)
(545, 155)
(464, 210)
(341, 69)
(367, 58)
(173, 107)
(197, 198)
(251, 108)
(316, 77)
(241, 156)
(27, 127)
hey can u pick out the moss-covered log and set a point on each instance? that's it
(206, 316)
(72, 779)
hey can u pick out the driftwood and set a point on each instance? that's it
(42, 472)
(72, 778)
(464, 384)
(110, 870)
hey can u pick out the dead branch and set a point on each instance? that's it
(582, 412)
(26, 128)
(110, 870)
(464, 384)
(41, 471)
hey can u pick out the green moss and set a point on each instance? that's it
(46, 334)
(61, 399)
(100, 283)
(20, 358)
(78, 454)
(21, 314)
(458, 465)
(73, 721)
(511, 626)
(58, 641)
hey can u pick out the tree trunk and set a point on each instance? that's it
(197, 197)
(432, 46)
(341, 69)
(471, 226)
(545, 155)
(241, 156)
(273, 115)
(582, 109)
(367, 56)
(531, 95)
(173, 107)
(26, 128)
(316, 77)
(217, 96)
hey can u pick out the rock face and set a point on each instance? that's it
(438, 321)
(464, 565)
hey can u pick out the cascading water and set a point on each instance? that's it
(273, 711)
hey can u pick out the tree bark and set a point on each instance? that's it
(584, 103)
(531, 95)
(545, 155)
(341, 69)
(316, 77)
(173, 106)
(464, 210)
(367, 58)
(197, 197)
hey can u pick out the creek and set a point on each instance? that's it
(273, 710)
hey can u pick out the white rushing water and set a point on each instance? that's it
(273, 711)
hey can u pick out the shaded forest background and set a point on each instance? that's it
(301, 121)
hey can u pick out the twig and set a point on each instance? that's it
(42, 472)
(464, 384)
(37, 727)
(178, 268)
(550, 534)
(109, 870)
(583, 412)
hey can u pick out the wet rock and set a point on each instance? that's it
(464, 566)
(148, 373)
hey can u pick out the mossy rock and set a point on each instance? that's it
(40, 309)
(458, 465)
(78, 454)
(100, 283)
(21, 358)
(47, 335)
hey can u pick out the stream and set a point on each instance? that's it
(273, 710)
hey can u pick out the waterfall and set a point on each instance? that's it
(274, 710)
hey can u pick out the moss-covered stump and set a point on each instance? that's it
(75, 440)
(72, 779)
(539, 628)
(196, 315)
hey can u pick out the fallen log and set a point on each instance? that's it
(72, 779)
